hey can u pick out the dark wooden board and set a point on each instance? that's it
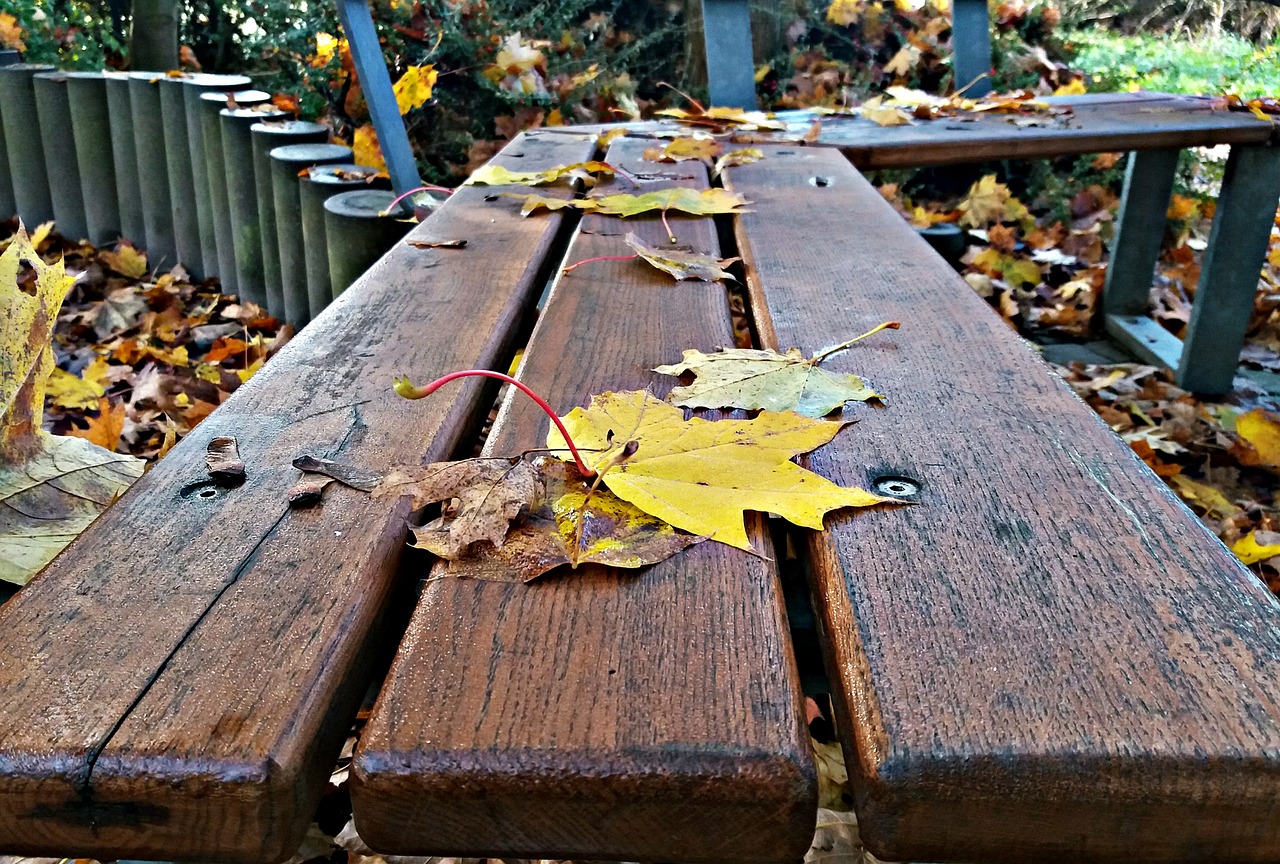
(649, 715)
(1096, 126)
(178, 682)
(1048, 658)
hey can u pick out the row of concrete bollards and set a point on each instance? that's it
(198, 170)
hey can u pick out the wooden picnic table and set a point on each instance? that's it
(1046, 657)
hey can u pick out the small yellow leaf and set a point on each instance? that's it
(703, 202)
(685, 149)
(72, 392)
(884, 116)
(1260, 430)
(700, 475)
(126, 260)
(681, 262)
(1204, 497)
(1250, 551)
(11, 33)
(743, 156)
(105, 429)
(989, 202)
(1075, 87)
(414, 87)
(845, 12)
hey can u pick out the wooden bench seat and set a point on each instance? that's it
(1048, 658)
(603, 714)
(178, 682)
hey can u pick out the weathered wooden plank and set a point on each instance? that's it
(178, 681)
(606, 714)
(1093, 128)
(1048, 658)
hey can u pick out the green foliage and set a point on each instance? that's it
(71, 34)
(1202, 65)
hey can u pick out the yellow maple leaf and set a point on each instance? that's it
(989, 202)
(1203, 496)
(72, 392)
(414, 87)
(1260, 431)
(699, 202)
(883, 115)
(845, 12)
(26, 356)
(105, 429)
(11, 33)
(685, 149)
(126, 260)
(1075, 87)
(365, 149)
(1249, 550)
(496, 175)
(700, 475)
(743, 156)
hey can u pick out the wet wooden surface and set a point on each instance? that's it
(178, 682)
(598, 713)
(1048, 657)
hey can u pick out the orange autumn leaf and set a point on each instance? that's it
(105, 429)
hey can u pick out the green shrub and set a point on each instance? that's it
(1204, 65)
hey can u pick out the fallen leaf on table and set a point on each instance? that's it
(347, 475)
(309, 490)
(685, 149)
(489, 493)
(534, 202)
(742, 156)
(1259, 433)
(701, 475)
(751, 378)
(681, 262)
(222, 460)
(704, 202)
(1257, 546)
(496, 175)
(883, 115)
(559, 529)
(723, 117)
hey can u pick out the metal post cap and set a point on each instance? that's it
(309, 154)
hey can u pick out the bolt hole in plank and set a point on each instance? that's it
(897, 487)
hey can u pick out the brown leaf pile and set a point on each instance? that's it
(144, 356)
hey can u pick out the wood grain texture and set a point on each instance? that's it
(648, 715)
(178, 682)
(1048, 658)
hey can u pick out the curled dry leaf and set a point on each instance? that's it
(701, 475)
(741, 156)
(347, 475)
(483, 496)
(565, 525)
(680, 262)
(723, 117)
(308, 491)
(222, 460)
(438, 244)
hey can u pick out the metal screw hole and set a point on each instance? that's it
(897, 487)
(820, 182)
(208, 493)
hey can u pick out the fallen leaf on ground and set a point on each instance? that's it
(485, 495)
(701, 475)
(104, 430)
(222, 460)
(496, 175)
(1204, 497)
(752, 378)
(1259, 432)
(682, 262)
(1257, 546)
(127, 260)
(990, 202)
(565, 526)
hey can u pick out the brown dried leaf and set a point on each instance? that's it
(484, 495)
(347, 475)
(681, 262)
(613, 532)
(222, 460)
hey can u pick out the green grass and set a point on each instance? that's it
(1206, 66)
